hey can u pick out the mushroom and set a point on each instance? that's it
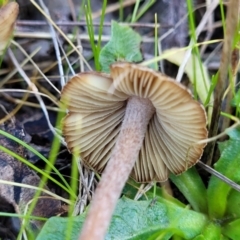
(136, 121)
(8, 16)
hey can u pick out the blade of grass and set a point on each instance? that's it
(222, 16)
(67, 188)
(187, 183)
(121, 11)
(211, 89)
(156, 41)
(21, 185)
(74, 186)
(52, 157)
(135, 11)
(23, 160)
(143, 9)
(104, 6)
(90, 29)
(4, 214)
(194, 39)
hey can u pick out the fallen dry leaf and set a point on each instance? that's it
(8, 16)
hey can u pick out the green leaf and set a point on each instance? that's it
(124, 45)
(212, 231)
(233, 204)
(232, 230)
(56, 228)
(236, 100)
(136, 220)
(191, 186)
(228, 165)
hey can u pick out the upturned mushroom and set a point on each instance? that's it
(136, 122)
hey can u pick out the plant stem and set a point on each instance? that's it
(123, 157)
(231, 28)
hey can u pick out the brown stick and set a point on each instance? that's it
(231, 28)
(227, 108)
(125, 153)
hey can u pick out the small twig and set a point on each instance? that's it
(71, 5)
(83, 201)
(25, 103)
(14, 71)
(222, 134)
(66, 58)
(28, 91)
(45, 35)
(219, 175)
(35, 65)
(23, 185)
(143, 189)
(55, 44)
(84, 23)
(229, 93)
(82, 178)
(210, 27)
(35, 90)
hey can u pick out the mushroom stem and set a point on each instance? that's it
(124, 155)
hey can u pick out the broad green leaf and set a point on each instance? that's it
(191, 186)
(212, 231)
(136, 220)
(176, 56)
(233, 204)
(229, 166)
(124, 45)
(232, 230)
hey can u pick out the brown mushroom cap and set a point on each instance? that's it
(95, 115)
(8, 16)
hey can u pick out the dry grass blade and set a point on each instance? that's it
(220, 176)
(61, 33)
(199, 29)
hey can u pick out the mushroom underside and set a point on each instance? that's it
(94, 122)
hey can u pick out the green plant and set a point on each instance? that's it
(95, 47)
(210, 212)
